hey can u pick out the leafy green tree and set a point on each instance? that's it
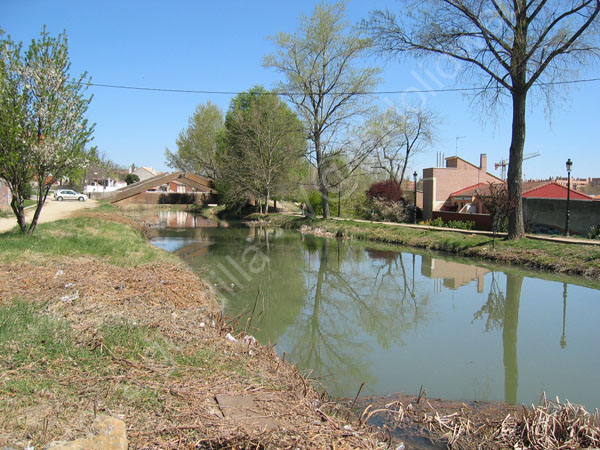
(324, 82)
(197, 145)
(264, 147)
(43, 131)
(131, 178)
(510, 47)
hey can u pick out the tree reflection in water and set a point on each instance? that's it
(502, 311)
(353, 297)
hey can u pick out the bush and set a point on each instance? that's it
(458, 224)
(314, 203)
(387, 211)
(594, 232)
(437, 222)
(388, 190)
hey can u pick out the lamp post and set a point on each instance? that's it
(415, 208)
(569, 165)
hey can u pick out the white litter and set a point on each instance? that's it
(202, 325)
(70, 298)
(229, 337)
(249, 340)
(59, 273)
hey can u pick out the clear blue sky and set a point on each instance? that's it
(219, 46)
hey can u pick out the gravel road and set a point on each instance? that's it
(52, 210)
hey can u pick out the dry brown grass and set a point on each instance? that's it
(456, 425)
(166, 398)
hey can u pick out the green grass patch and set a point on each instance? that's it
(26, 335)
(113, 242)
(135, 342)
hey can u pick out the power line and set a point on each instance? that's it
(407, 91)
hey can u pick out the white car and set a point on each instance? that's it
(68, 194)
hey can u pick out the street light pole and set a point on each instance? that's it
(569, 165)
(415, 208)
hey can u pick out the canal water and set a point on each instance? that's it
(398, 319)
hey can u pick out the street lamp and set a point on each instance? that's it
(569, 165)
(415, 209)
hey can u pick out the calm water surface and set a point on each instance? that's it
(352, 311)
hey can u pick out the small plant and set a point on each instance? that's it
(594, 232)
(437, 222)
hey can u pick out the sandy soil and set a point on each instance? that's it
(52, 210)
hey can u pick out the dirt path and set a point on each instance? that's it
(52, 210)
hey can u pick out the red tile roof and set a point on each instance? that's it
(551, 189)
(472, 190)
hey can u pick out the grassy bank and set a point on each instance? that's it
(95, 320)
(552, 256)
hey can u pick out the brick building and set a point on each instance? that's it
(440, 182)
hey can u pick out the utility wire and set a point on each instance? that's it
(411, 91)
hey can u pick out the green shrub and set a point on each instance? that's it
(594, 232)
(437, 222)
(314, 203)
(460, 224)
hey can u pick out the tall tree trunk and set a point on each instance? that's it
(516, 227)
(267, 202)
(518, 72)
(42, 195)
(321, 178)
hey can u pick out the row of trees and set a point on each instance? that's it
(334, 133)
(259, 150)
(255, 152)
(507, 48)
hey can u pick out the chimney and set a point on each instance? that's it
(483, 162)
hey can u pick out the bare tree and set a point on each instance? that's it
(498, 204)
(511, 45)
(399, 135)
(323, 82)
